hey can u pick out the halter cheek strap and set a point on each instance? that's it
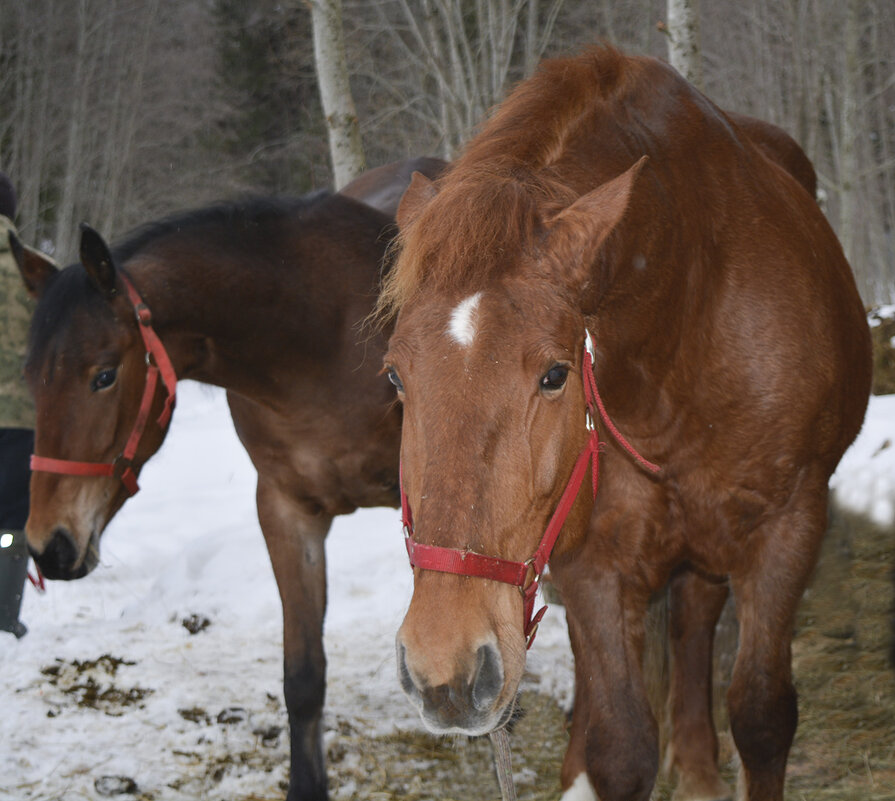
(158, 364)
(526, 575)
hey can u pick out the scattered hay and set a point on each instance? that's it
(414, 765)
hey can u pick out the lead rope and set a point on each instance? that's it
(500, 742)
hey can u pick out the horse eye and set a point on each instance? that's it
(555, 377)
(393, 377)
(103, 379)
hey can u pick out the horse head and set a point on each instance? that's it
(87, 370)
(491, 373)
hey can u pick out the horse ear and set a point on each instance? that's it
(36, 269)
(97, 260)
(576, 234)
(415, 198)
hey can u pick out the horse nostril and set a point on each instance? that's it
(488, 680)
(407, 683)
(58, 558)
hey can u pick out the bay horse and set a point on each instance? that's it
(614, 274)
(265, 298)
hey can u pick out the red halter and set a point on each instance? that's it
(122, 466)
(526, 575)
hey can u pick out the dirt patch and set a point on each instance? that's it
(90, 683)
(414, 765)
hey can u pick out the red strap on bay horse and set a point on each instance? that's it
(526, 575)
(122, 466)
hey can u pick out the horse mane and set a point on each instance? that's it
(238, 215)
(71, 289)
(493, 200)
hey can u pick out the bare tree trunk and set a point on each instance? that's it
(345, 146)
(127, 107)
(74, 151)
(683, 39)
(848, 175)
(469, 50)
(26, 126)
(884, 240)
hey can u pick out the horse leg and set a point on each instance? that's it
(695, 606)
(295, 541)
(761, 699)
(614, 735)
(573, 775)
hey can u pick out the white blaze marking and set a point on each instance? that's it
(462, 324)
(580, 790)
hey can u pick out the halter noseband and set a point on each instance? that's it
(526, 575)
(122, 466)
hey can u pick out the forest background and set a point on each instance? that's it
(117, 112)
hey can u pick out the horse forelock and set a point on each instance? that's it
(474, 231)
(67, 293)
(492, 202)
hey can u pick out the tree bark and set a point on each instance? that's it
(345, 146)
(683, 39)
(848, 162)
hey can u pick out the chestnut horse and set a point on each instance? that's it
(727, 368)
(266, 299)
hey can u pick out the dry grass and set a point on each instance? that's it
(845, 746)
(414, 766)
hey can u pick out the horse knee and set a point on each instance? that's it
(622, 766)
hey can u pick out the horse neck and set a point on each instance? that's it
(235, 324)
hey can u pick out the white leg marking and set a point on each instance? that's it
(580, 790)
(462, 325)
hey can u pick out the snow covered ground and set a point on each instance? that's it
(110, 683)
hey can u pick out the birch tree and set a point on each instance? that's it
(682, 29)
(343, 130)
(848, 139)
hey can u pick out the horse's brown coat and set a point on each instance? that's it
(732, 350)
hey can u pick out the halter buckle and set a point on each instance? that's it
(529, 586)
(120, 465)
(530, 637)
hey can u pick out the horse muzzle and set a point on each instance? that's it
(467, 702)
(61, 559)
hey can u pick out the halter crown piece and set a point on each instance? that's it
(526, 575)
(122, 466)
